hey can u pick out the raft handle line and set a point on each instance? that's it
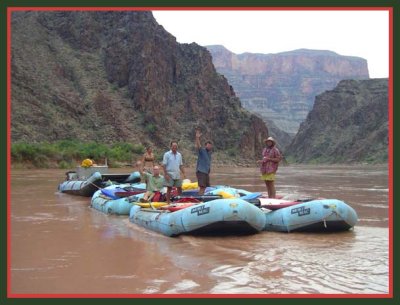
(95, 185)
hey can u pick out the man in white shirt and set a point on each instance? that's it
(173, 167)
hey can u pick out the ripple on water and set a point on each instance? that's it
(306, 263)
(183, 286)
(40, 218)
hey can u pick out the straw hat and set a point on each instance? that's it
(270, 139)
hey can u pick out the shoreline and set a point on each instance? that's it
(27, 165)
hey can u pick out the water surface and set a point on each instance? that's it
(60, 245)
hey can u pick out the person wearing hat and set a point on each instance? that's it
(269, 165)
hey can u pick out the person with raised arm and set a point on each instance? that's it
(203, 167)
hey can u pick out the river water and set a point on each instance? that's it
(59, 245)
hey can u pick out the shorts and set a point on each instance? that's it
(203, 179)
(268, 177)
(173, 182)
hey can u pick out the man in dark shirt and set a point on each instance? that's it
(203, 162)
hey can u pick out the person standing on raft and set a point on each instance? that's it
(269, 165)
(203, 166)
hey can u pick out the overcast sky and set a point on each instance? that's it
(356, 33)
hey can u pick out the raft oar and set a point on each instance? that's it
(95, 185)
(152, 206)
(149, 202)
(151, 198)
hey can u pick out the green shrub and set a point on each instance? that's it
(232, 152)
(40, 161)
(138, 149)
(22, 151)
(66, 153)
(151, 128)
(65, 165)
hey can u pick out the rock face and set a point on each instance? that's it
(347, 124)
(282, 87)
(119, 76)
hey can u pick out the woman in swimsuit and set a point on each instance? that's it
(148, 160)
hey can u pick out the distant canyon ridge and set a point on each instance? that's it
(282, 87)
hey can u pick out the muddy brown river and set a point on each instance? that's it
(59, 245)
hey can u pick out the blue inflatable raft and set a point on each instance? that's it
(84, 187)
(217, 217)
(106, 201)
(328, 215)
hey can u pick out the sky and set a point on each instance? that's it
(358, 33)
